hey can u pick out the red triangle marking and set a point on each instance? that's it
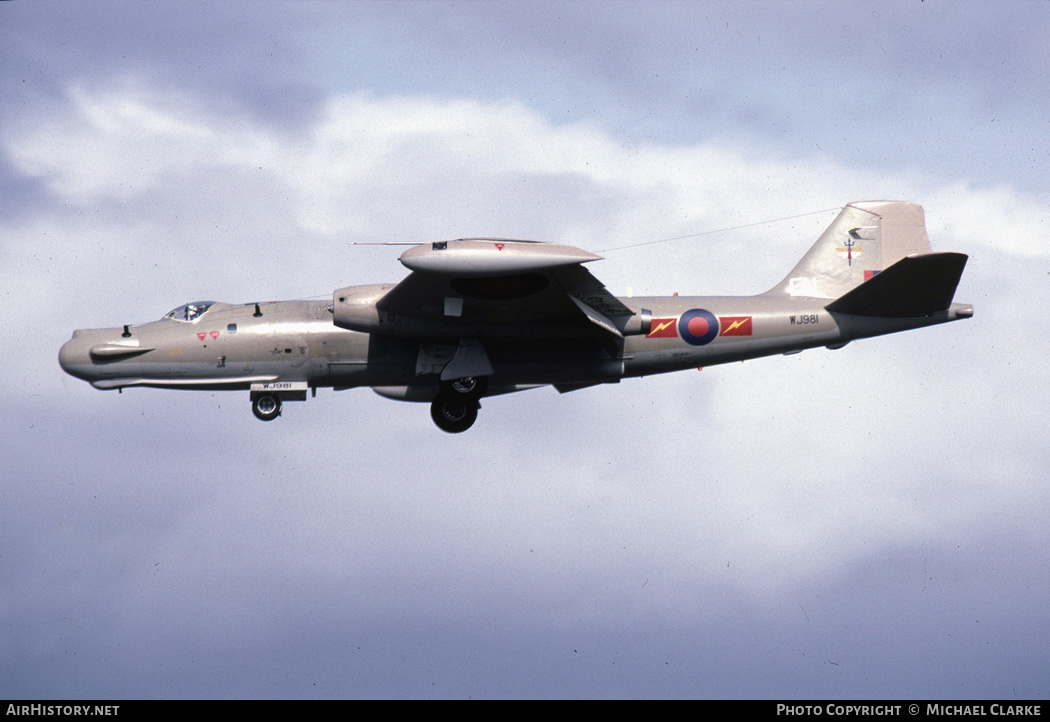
(201, 335)
(214, 334)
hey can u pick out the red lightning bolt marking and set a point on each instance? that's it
(661, 327)
(735, 324)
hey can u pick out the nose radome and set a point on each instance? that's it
(89, 349)
(73, 353)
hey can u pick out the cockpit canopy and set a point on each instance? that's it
(190, 311)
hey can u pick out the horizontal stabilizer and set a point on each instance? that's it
(913, 286)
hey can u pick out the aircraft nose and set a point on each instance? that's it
(74, 355)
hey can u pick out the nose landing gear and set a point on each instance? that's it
(266, 407)
(267, 398)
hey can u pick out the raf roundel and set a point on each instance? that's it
(698, 327)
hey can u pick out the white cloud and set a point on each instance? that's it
(119, 143)
(421, 167)
(996, 218)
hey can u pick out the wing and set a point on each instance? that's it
(482, 288)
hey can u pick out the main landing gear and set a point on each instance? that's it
(455, 408)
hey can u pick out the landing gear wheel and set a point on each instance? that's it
(471, 386)
(453, 412)
(266, 407)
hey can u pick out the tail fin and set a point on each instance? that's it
(866, 238)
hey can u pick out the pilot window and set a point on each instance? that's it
(190, 311)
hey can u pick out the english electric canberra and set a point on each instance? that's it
(481, 317)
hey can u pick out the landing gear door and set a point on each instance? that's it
(283, 390)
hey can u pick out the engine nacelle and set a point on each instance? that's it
(354, 308)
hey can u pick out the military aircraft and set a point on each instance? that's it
(479, 317)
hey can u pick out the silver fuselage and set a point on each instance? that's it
(234, 346)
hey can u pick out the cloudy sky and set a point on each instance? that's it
(870, 522)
